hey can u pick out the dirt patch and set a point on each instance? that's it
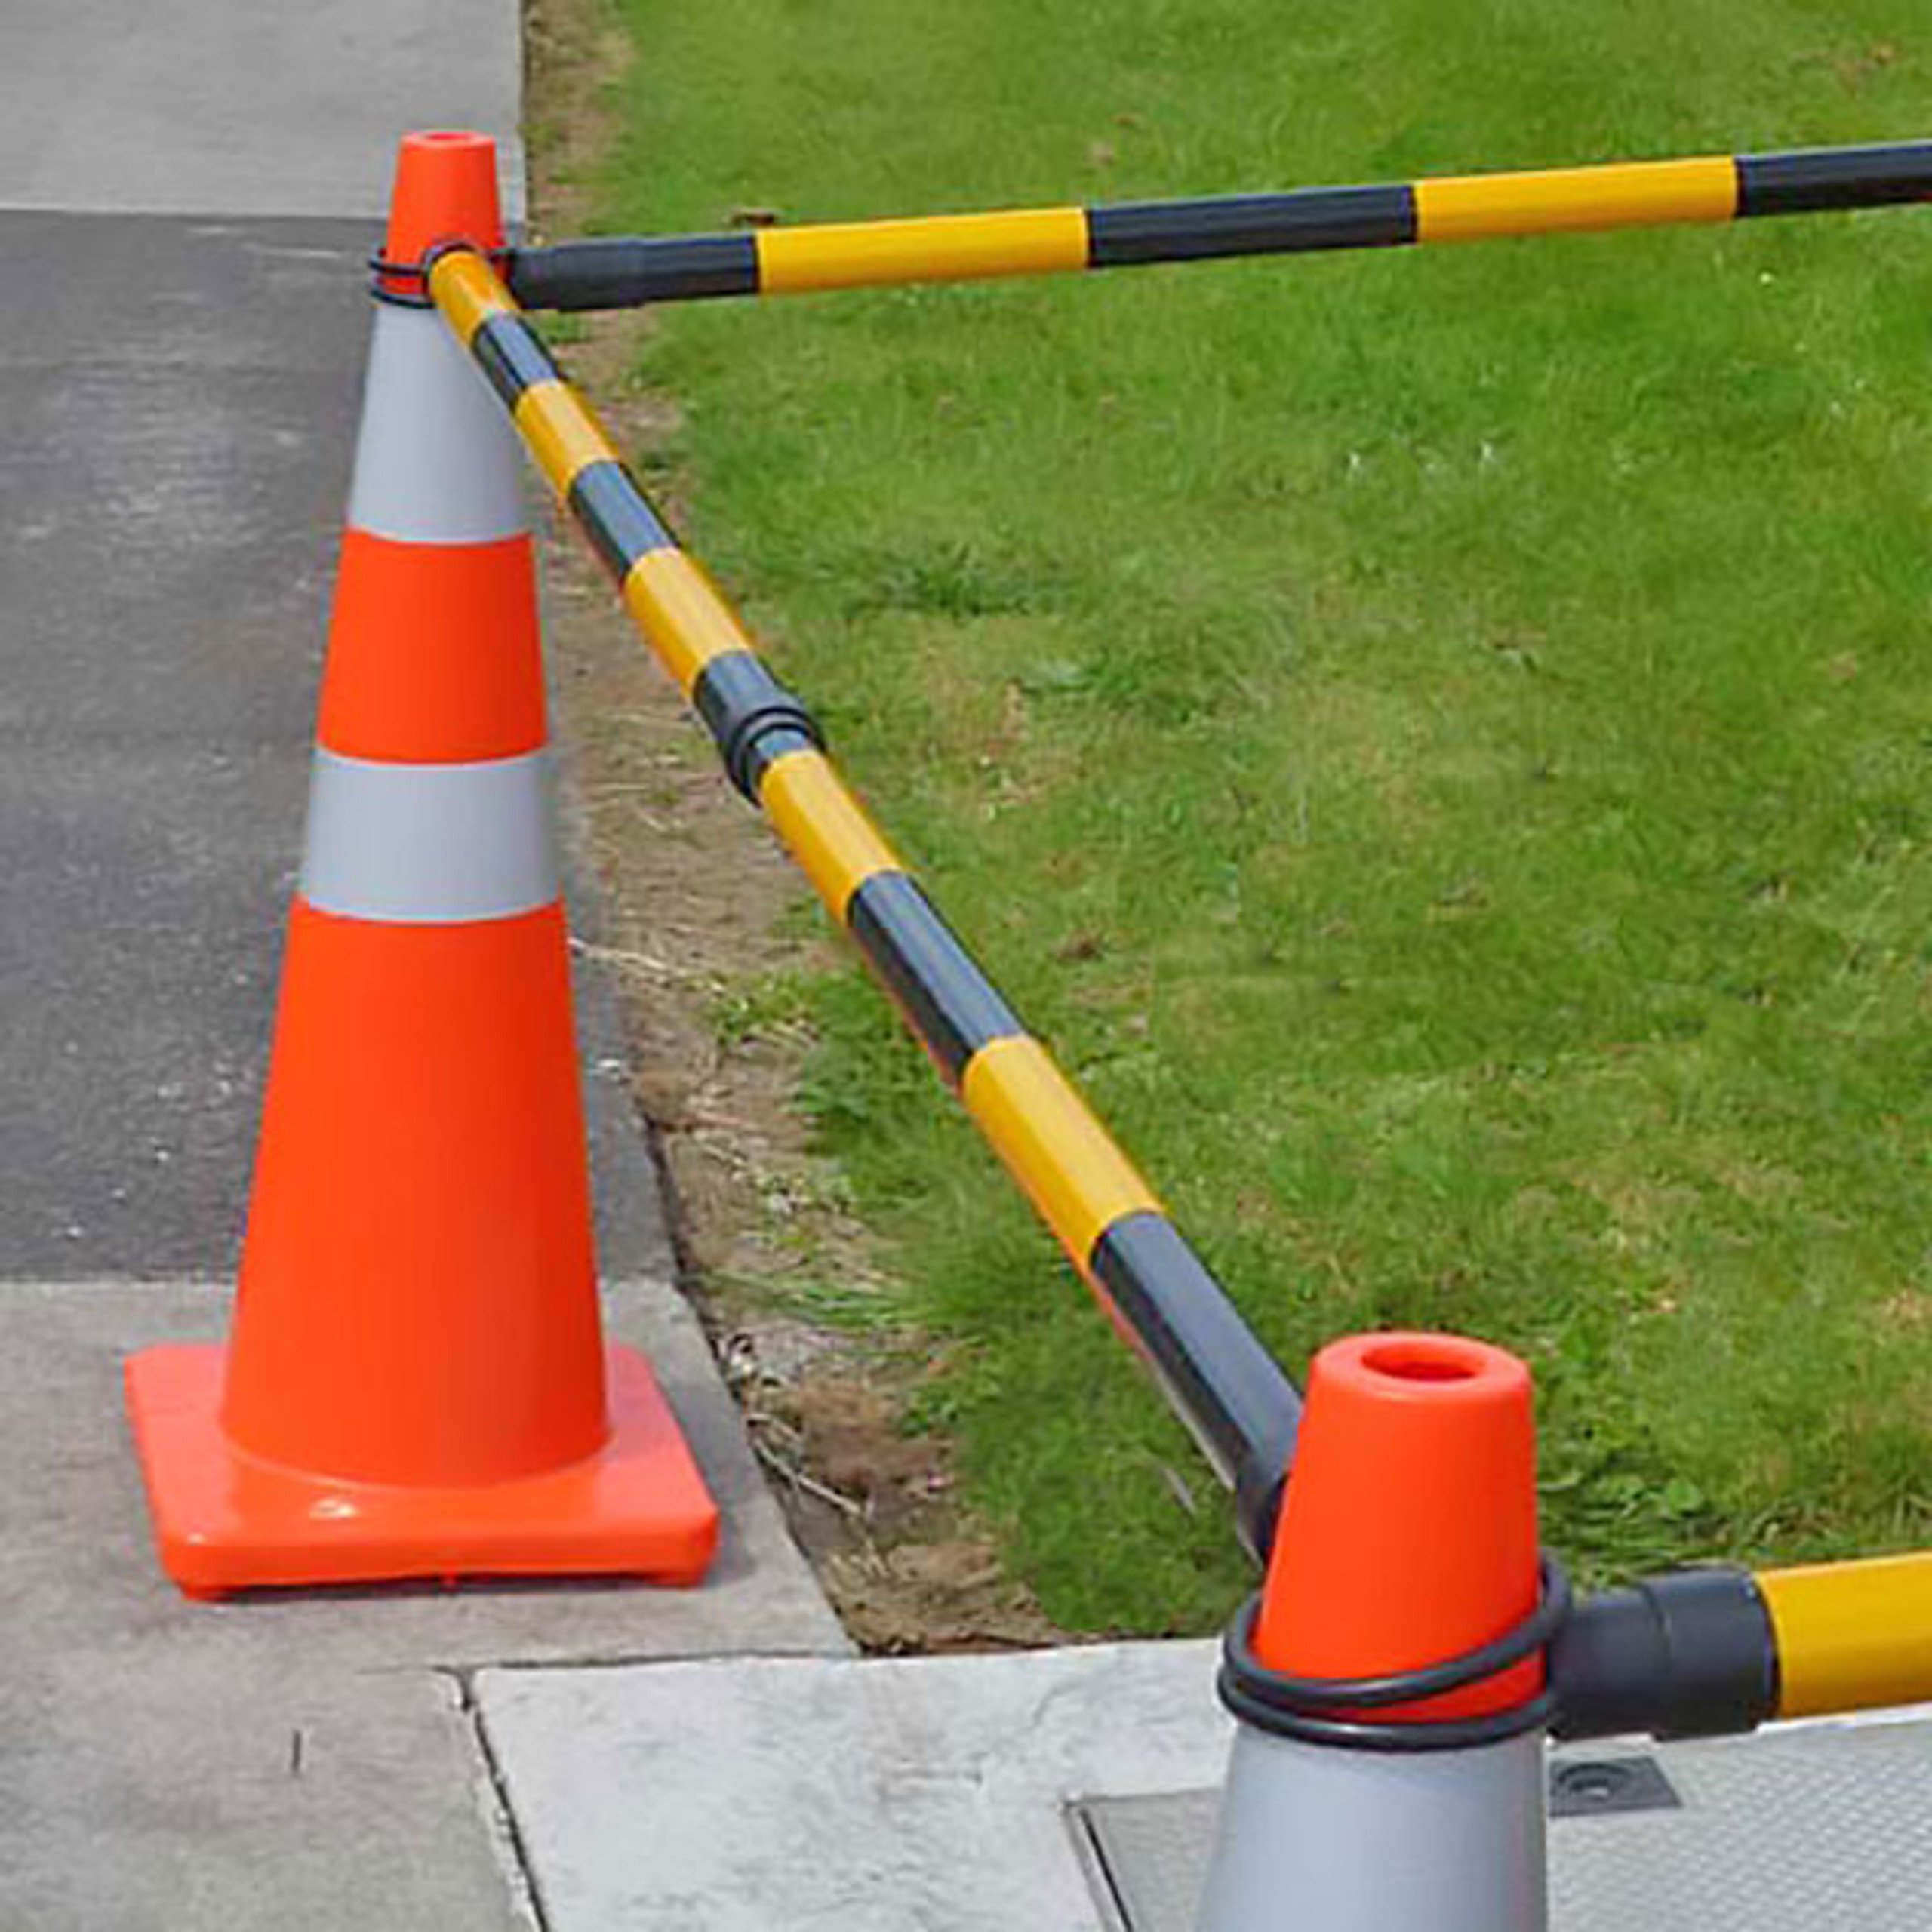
(692, 889)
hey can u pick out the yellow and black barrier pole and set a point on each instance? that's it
(623, 271)
(1851, 1636)
(1699, 1652)
(1240, 1406)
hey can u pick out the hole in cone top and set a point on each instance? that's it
(1408, 1534)
(1421, 1362)
(445, 191)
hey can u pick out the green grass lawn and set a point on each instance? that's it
(1439, 741)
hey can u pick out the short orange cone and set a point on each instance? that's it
(416, 1384)
(1387, 1771)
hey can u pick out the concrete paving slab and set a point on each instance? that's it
(1076, 1791)
(77, 1565)
(305, 1760)
(924, 1795)
(232, 1804)
(243, 109)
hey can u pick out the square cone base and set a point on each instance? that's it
(226, 1520)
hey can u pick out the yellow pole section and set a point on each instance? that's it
(1851, 1635)
(945, 248)
(1470, 208)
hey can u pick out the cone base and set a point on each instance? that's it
(226, 1520)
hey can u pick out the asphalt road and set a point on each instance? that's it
(181, 395)
(179, 398)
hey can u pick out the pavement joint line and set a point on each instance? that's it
(649, 1660)
(1091, 1851)
(506, 1834)
(81, 1287)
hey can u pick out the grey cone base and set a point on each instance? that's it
(1317, 1839)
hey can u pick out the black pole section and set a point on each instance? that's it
(1692, 1654)
(1233, 1396)
(627, 272)
(1818, 180)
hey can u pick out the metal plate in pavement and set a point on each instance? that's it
(1827, 1827)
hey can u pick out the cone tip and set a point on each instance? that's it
(1408, 1533)
(445, 191)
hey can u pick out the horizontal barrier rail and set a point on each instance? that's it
(621, 271)
(1240, 1406)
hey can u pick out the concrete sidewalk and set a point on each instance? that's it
(118, 105)
(310, 1758)
(187, 198)
(1076, 1791)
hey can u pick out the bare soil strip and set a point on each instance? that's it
(692, 889)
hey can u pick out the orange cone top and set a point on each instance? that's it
(445, 191)
(1408, 1534)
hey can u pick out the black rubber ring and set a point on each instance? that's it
(381, 267)
(1364, 1734)
(1307, 1708)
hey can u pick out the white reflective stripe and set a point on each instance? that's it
(438, 460)
(428, 845)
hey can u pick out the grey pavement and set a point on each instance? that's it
(280, 108)
(182, 399)
(184, 395)
(1076, 1791)
(187, 196)
(308, 1758)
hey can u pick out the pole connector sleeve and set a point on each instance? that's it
(752, 717)
(1691, 1654)
(624, 271)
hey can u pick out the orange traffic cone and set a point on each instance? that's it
(1387, 1770)
(416, 1384)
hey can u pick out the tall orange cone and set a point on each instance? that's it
(416, 1383)
(1387, 1771)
